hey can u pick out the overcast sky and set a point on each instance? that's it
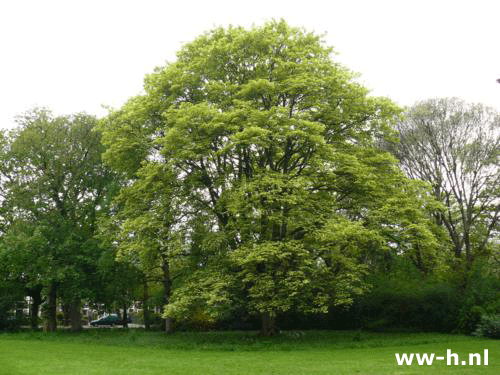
(77, 56)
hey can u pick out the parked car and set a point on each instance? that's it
(108, 320)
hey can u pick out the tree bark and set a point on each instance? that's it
(75, 316)
(51, 319)
(66, 319)
(169, 325)
(145, 307)
(125, 316)
(167, 285)
(36, 295)
(268, 324)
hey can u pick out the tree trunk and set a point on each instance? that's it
(35, 308)
(125, 316)
(169, 325)
(75, 316)
(36, 295)
(66, 319)
(469, 256)
(145, 307)
(51, 319)
(268, 324)
(167, 284)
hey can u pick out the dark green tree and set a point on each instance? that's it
(54, 187)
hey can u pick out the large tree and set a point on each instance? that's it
(260, 150)
(455, 147)
(54, 186)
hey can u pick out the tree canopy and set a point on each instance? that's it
(54, 185)
(455, 147)
(261, 153)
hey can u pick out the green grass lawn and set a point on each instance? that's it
(113, 352)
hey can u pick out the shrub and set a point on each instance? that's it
(481, 296)
(407, 300)
(10, 297)
(489, 326)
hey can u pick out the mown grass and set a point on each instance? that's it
(311, 352)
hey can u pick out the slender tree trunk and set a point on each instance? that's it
(169, 325)
(75, 316)
(36, 295)
(35, 308)
(125, 316)
(145, 307)
(167, 285)
(268, 324)
(469, 256)
(51, 320)
(66, 320)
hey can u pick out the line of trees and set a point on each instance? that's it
(254, 178)
(53, 187)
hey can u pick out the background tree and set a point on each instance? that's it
(54, 187)
(120, 283)
(12, 295)
(142, 231)
(455, 147)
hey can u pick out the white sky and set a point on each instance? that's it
(77, 56)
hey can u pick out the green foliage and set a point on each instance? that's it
(257, 176)
(206, 293)
(454, 146)
(249, 179)
(118, 281)
(480, 295)
(54, 188)
(279, 276)
(405, 299)
(10, 297)
(489, 326)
